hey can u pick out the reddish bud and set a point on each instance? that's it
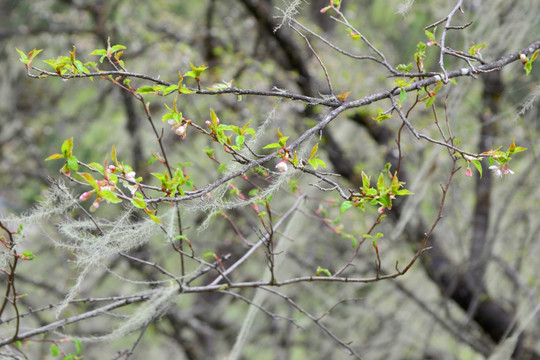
(85, 195)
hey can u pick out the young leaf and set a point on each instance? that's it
(24, 58)
(109, 196)
(67, 147)
(346, 205)
(72, 163)
(314, 151)
(138, 203)
(54, 350)
(402, 95)
(146, 90)
(272, 146)
(54, 157)
(321, 271)
(478, 166)
(78, 346)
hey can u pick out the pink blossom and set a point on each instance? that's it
(180, 131)
(468, 172)
(85, 195)
(112, 168)
(95, 205)
(380, 210)
(282, 166)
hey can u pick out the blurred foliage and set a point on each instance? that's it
(163, 37)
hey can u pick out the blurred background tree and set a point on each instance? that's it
(474, 293)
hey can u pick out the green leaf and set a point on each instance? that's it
(314, 151)
(99, 52)
(346, 205)
(185, 90)
(405, 68)
(366, 183)
(168, 89)
(528, 67)
(78, 346)
(54, 350)
(72, 163)
(430, 35)
(90, 180)
(385, 200)
(115, 48)
(146, 90)
(154, 218)
(272, 146)
(380, 182)
(321, 271)
(253, 192)
(478, 165)
(403, 192)
(54, 157)
(195, 71)
(315, 163)
(24, 58)
(402, 95)
(67, 147)
(240, 140)
(28, 255)
(109, 196)
(97, 166)
(138, 203)
(162, 177)
(214, 117)
(430, 101)
(533, 57)
(381, 116)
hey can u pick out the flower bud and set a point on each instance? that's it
(85, 195)
(282, 166)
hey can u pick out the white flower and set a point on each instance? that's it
(94, 206)
(500, 171)
(496, 170)
(282, 166)
(507, 171)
